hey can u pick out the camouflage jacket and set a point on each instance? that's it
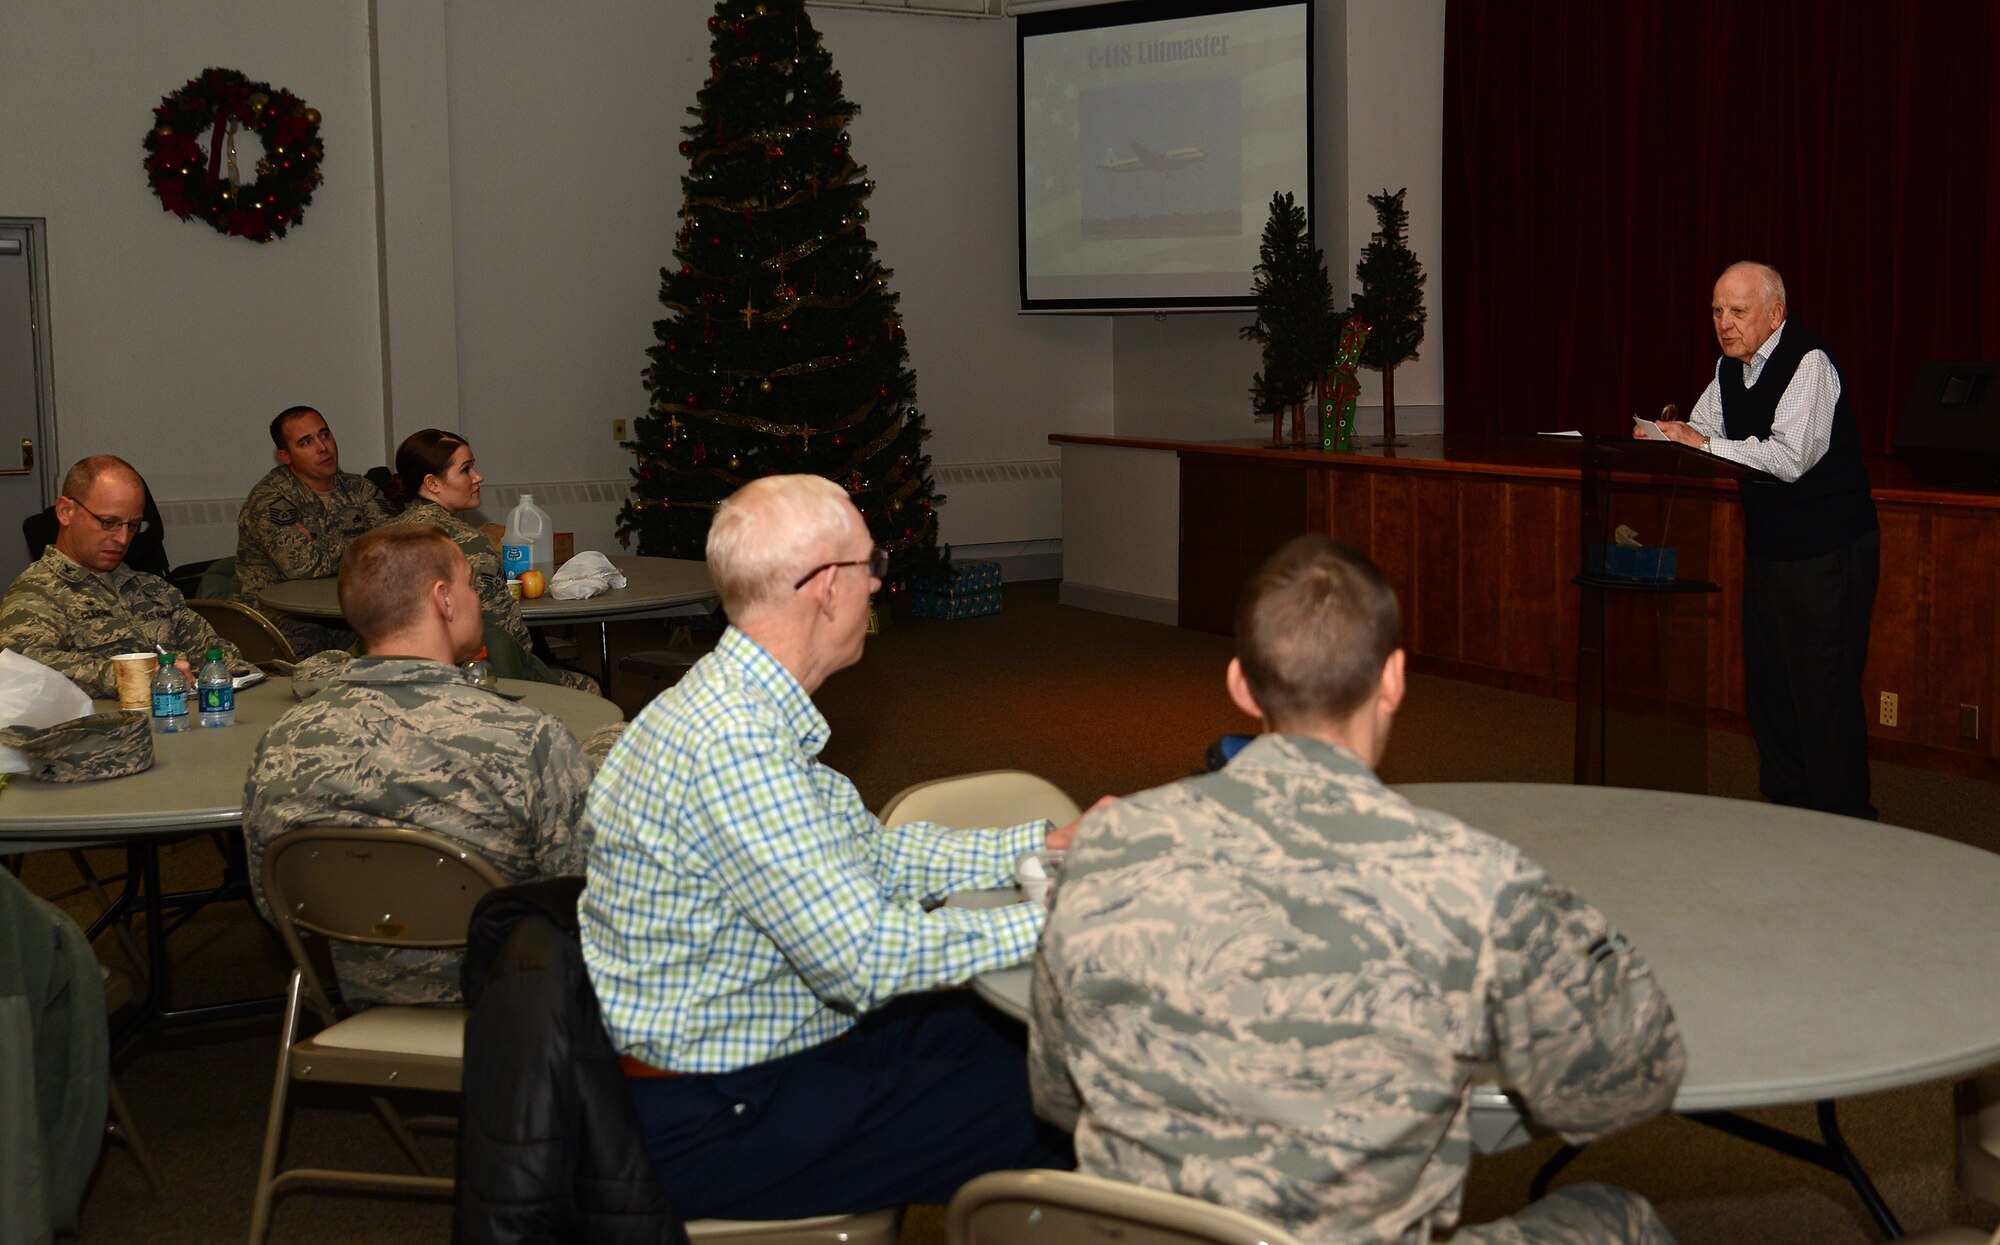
(74, 619)
(1270, 988)
(404, 741)
(287, 531)
(498, 606)
(495, 602)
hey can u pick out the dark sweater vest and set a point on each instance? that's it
(1825, 509)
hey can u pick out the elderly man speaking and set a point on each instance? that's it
(759, 941)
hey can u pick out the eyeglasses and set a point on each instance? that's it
(134, 526)
(877, 563)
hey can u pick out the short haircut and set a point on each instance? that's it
(386, 574)
(289, 413)
(1315, 627)
(771, 531)
(425, 453)
(1774, 284)
(84, 476)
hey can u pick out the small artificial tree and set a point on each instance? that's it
(1391, 299)
(1296, 320)
(783, 349)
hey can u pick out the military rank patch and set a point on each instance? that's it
(282, 514)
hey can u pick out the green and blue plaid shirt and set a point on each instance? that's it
(744, 904)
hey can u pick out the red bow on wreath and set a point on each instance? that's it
(221, 105)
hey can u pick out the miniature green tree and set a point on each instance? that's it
(1296, 320)
(1391, 299)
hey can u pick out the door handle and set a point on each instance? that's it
(27, 454)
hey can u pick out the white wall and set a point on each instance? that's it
(490, 261)
(1378, 123)
(173, 344)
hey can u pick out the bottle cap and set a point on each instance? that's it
(166, 659)
(214, 654)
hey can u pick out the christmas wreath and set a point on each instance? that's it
(218, 105)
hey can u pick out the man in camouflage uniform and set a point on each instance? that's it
(1270, 987)
(298, 519)
(403, 736)
(77, 607)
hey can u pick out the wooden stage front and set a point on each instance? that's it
(1481, 536)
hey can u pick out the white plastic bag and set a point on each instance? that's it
(33, 695)
(585, 575)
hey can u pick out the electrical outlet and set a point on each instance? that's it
(1968, 721)
(617, 430)
(1888, 708)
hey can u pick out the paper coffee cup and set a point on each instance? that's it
(134, 673)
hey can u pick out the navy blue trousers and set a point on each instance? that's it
(1805, 641)
(922, 1095)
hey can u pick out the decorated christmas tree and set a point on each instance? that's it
(1295, 316)
(1391, 299)
(782, 349)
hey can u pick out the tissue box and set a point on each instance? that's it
(967, 590)
(1655, 565)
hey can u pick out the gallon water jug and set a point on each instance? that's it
(530, 540)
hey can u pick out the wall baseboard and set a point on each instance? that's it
(1123, 604)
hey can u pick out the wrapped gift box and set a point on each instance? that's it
(967, 590)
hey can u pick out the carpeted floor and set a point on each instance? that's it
(1098, 704)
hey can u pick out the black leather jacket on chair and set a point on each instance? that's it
(548, 1145)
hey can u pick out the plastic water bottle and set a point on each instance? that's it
(529, 543)
(217, 689)
(170, 697)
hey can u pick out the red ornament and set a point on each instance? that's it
(673, 347)
(688, 400)
(883, 392)
(685, 145)
(687, 270)
(700, 452)
(784, 326)
(715, 23)
(839, 440)
(850, 343)
(715, 239)
(899, 332)
(740, 30)
(836, 149)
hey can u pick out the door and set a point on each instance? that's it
(25, 393)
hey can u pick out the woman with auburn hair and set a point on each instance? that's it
(438, 471)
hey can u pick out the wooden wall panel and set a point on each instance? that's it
(1482, 573)
(1958, 662)
(1431, 619)
(1481, 554)
(1897, 633)
(1534, 573)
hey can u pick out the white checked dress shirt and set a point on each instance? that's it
(1801, 428)
(743, 904)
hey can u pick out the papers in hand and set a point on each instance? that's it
(1649, 430)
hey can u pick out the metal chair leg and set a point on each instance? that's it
(394, 1121)
(125, 1130)
(274, 1129)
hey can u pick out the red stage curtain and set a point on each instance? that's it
(1605, 161)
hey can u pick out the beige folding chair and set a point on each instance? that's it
(995, 797)
(381, 886)
(877, 1227)
(254, 635)
(1057, 1208)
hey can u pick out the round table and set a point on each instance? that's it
(1808, 957)
(195, 785)
(654, 588)
(196, 782)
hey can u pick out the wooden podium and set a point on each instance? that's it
(1642, 653)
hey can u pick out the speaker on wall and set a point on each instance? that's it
(1950, 429)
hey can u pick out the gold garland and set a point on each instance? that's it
(758, 422)
(769, 138)
(814, 188)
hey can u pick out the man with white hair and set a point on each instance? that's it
(1812, 549)
(764, 949)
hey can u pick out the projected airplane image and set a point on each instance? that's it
(1145, 158)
